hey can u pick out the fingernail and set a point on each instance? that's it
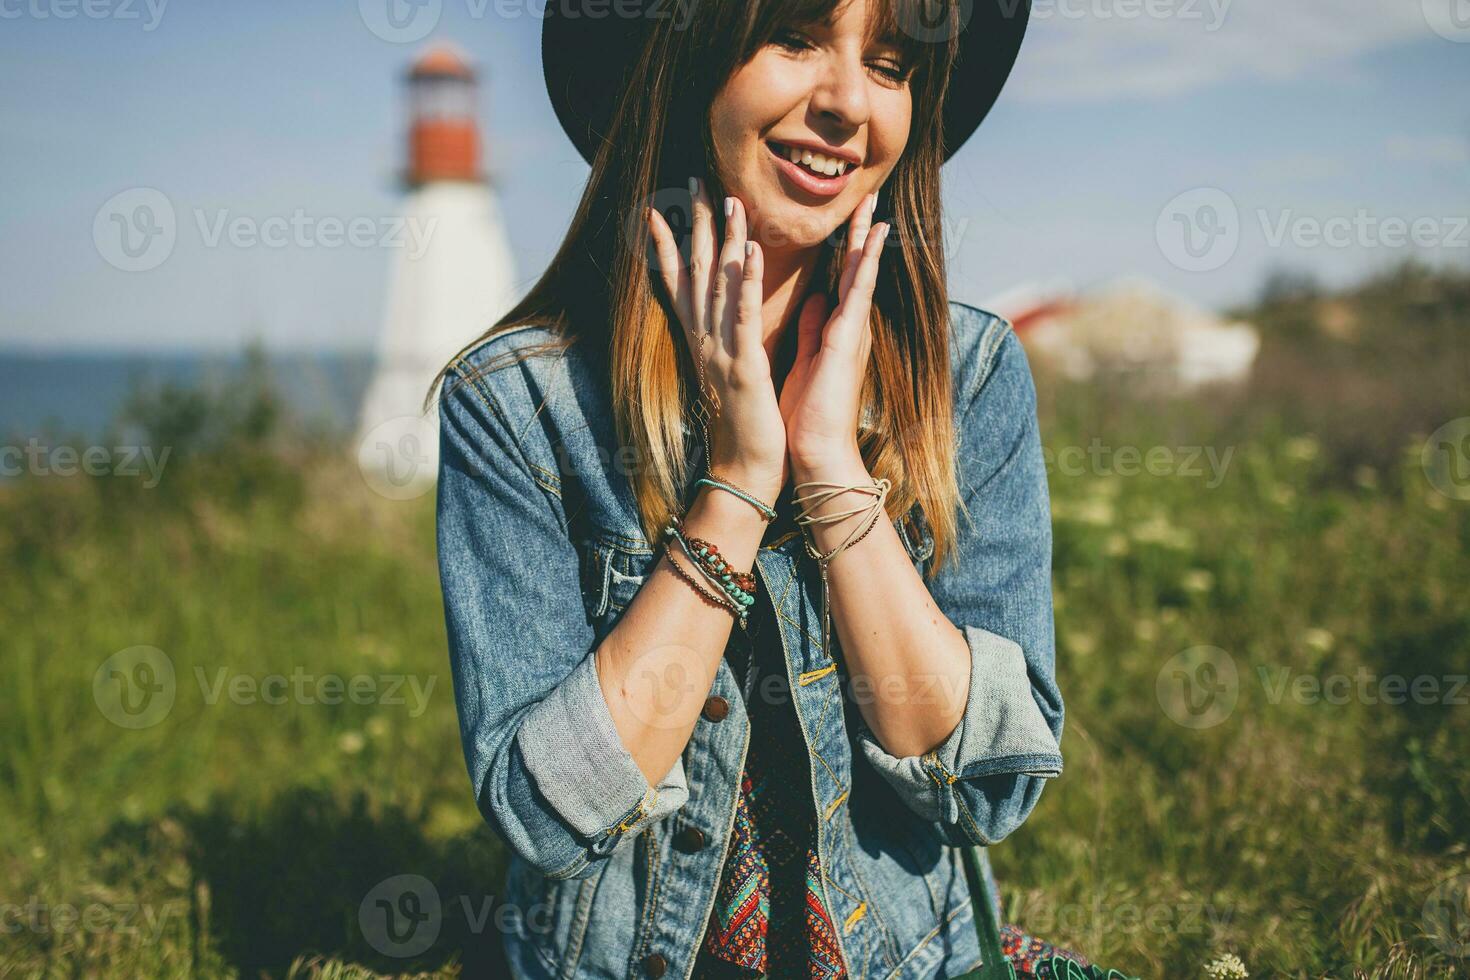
(729, 206)
(693, 186)
(749, 248)
(873, 202)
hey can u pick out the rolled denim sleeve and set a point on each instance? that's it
(551, 774)
(984, 779)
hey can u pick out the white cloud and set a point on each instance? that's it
(1088, 50)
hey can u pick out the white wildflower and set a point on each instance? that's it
(351, 743)
(1227, 967)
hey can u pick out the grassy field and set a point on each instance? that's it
(1251, 768)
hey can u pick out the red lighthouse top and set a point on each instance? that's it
(444, 137)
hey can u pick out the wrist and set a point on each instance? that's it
(763, 485)
(728, 508)
(826, 501)
(846, 468)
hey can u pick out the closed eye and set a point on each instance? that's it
(890, 69)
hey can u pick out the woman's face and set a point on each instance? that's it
(814, 85)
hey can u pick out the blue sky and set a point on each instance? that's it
(1128, 125)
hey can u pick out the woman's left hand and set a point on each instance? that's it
(821, 397)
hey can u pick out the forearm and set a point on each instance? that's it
(910, 666)
(657, 666)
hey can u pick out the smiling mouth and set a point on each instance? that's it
(818, 165)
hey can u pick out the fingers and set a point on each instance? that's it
(857, 236)
(851, 317)
(729, 274)
(671, 269)
(748, 329)
(809, 327)
(701, 256)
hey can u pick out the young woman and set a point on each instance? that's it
(743, 526)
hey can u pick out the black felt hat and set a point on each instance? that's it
(587, 53)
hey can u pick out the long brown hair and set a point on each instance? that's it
(601, 289)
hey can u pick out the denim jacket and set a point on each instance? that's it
(540, 551)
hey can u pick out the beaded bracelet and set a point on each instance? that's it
(738, 587)
(707, 550)
(724, 603)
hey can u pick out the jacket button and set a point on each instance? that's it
(716, 708)
(654, 964)
(689, 840)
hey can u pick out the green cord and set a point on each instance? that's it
(766, 512)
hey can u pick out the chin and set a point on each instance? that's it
(788, 224)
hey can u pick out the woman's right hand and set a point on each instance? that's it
(721, 303)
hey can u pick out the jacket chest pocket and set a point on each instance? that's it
(614, 568)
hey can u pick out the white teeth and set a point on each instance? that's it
(816, 162)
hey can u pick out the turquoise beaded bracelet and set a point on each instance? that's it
(701, 558)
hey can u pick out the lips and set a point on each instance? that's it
(806, 180)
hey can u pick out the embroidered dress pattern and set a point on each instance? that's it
(768, 917)
(1032, 957)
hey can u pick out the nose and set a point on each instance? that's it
(840, 95)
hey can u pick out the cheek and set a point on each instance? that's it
(889, 130)
(753, 99)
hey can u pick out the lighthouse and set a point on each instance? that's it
(442, 294)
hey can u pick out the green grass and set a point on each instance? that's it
(240, 839)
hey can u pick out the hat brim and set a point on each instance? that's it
(586, 62)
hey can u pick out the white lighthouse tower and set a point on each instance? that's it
(455, 281)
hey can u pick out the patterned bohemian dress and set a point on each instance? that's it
(768, 918)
